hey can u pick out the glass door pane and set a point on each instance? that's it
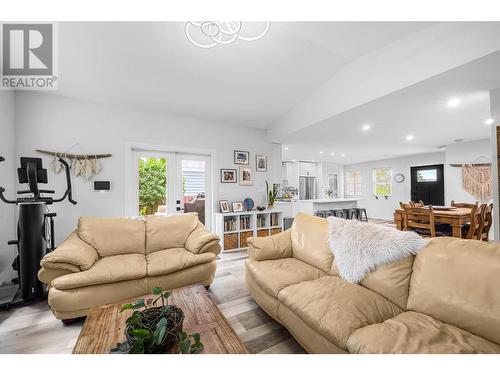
(152, 190)
(193, 186)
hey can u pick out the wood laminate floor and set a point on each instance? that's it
(33, 329)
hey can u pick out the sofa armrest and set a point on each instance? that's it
(73, 255)
(46, 276)
(200, 240)
(272, 247)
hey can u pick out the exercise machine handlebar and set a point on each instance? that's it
(36, 192)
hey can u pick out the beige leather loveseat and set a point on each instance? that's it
(107, 260)
(444, 300)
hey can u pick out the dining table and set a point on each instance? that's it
(456, 217)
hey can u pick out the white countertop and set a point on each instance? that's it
(333, 200)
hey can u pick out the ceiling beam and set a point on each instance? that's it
(415, 58)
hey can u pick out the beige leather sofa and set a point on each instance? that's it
(444, 300)
(107, 260)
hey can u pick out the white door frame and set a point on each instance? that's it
(130, 176)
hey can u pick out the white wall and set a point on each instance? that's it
(55, 123)
(466, 152)
(7, 180)
(384, 208)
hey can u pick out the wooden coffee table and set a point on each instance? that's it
(104, 326)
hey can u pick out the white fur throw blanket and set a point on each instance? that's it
(359, 248)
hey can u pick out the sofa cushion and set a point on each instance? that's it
(392, 281)
(412, 332)
(113, 236)
(274, 275)
(310, 242)
(168, 232)
(167, 261)
(105, 270)
(457, 281)
(336, 308)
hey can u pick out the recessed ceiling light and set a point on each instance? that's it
(332, 153)
(409, 137)
(454, 102)
(321, 152)
(294, 160)
(489, 121)
(342, 155)
(314, 161)
(366, 127)
(286, 148)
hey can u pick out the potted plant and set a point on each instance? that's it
(156, 329)
(271, 195)
(329, 193)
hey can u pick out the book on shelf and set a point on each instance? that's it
(244, 222)
(274, 218)
(229, 225)
(261, 221)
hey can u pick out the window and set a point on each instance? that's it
(427, 175)
(353, 183)
(382, 182)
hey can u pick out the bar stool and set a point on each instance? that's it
(337, 212)
(322, 213)
(350, 213)
(361, 214)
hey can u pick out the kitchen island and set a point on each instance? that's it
(310, 206)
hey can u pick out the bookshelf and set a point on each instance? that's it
(234, 228)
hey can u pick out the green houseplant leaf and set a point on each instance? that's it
(157, 290)
(185, 346)
(141, 333)
(161, 329)
(127, 306)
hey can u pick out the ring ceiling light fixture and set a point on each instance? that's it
(208, 34)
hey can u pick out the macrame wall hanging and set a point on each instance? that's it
(477, 180)
(84, 165)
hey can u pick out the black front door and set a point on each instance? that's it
(427, 184)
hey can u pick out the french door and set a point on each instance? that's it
(171, 183)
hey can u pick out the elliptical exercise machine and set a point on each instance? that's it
(35, 227)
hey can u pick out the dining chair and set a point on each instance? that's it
(477, 224)
(420, 203)
(403, 205)
(421, 220)
(487, 220)
(464, 205)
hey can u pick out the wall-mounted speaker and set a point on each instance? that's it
(102, 185)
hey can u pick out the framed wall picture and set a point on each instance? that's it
(241, 157)
(246, 177)
(228, 176)
(224, 206)
(237, 207)
(260, 163)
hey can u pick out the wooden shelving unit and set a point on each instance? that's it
(234, 228)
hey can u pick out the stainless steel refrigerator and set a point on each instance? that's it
(307, 187)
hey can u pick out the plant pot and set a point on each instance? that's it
(270, 206)
(152, 316)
